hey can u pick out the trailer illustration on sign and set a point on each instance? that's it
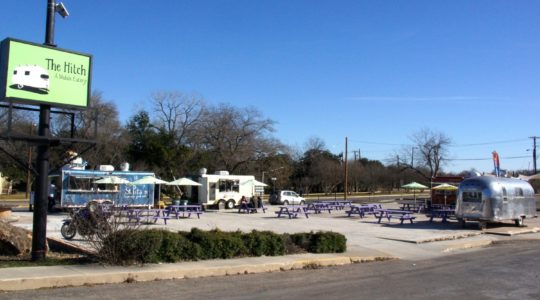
(31, 78)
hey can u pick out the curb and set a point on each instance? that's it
(27, 278)
(468, 245)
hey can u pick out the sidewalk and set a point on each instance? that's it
(25, 278)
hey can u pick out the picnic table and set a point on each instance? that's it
(318, 207)
(443, 213)
(247, 208)
(337, 204)
(412, 206)
(292, 211)
(362, 209)
(402, 215)
(146, 215)
(185, 210)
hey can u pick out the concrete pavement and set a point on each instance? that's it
(366, 241)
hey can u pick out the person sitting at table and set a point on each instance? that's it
(252, 202)
(243, 201)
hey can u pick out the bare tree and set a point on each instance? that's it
(428, 153)
(177, 113)
(235, 137)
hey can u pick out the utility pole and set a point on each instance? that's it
(412, 157)
(534, 152)
(346, 173)
(354, 152)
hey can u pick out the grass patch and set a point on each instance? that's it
(52, 259)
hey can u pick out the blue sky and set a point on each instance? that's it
(374, 71)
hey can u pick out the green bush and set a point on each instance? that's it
(130, 246)
(218, 244)
(320, 242)
(267, 243)
(175, 247)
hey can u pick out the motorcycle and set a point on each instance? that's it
(87, 221)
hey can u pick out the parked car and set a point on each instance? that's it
(286, 198)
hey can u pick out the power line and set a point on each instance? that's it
(462, 159)
(489, 143)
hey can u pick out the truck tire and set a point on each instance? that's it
(230, 204)
(519, 222)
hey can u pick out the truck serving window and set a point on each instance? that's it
(472, 196)
(229, 185)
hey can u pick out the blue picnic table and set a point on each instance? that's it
(362, 209)
(249, 209)
(146, 215)
(292, 211)
(443, 213)
(185, 210)
(402, 215)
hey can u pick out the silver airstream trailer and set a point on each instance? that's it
(495, 199)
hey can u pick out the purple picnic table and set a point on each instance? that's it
(402, 215)
(185, 210)
(292, 211)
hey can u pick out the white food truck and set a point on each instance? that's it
(30, 76)
(224, 190)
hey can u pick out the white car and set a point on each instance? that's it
(286, 198)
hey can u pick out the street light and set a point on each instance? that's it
(274, 183)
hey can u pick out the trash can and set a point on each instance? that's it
(176, 202)
(183, 202)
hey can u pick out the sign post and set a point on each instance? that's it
(44, 75)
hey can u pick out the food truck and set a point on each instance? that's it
(73, 186)
(222, 189)
(495, 199)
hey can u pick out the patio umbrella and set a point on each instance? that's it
(445, 187)
(111, 180)
(149, 180)
(184, 182)
(414, 186)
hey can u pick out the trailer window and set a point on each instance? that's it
(44, 76)
(27, 73)
(81, 183)
(472, 196)
(519, 192)
(229, 185)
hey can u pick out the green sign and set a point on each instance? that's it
(37, 74)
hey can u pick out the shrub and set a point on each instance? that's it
(266, 243)
(175, 247)
(320, 242)
(130, 246)
(327, 242)
(218, 244)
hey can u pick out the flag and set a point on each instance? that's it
(496, 163)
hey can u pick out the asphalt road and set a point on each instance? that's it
(507, 270)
